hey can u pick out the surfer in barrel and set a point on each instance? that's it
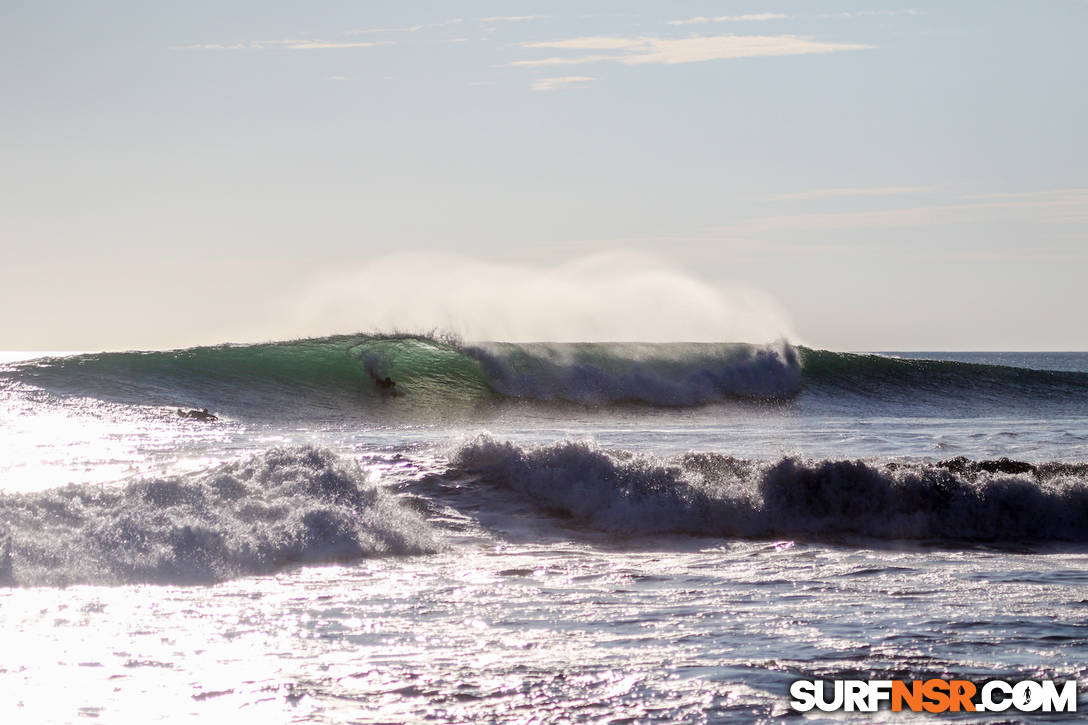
(386, 385)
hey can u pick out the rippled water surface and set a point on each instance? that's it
(576, 563)
(500, 631)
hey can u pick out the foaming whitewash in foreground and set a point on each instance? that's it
(709, 494)
(629, 576)
(285, 506)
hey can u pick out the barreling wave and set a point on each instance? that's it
(335, 375)
(286, 506)
(435, 376)
(708, 494)
(664, 374)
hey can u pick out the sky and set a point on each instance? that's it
(870, 176)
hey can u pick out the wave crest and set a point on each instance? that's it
(719, 495)
(672, 374)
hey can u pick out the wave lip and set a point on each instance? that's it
(656, 373)
(710, 494)
(282, 507)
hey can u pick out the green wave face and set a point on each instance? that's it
(334, 377)
(323, 377)
(850, 375)
(423, 368)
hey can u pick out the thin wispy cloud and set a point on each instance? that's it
(299, 44)
(853, 191)
(323, 44)
(1069, 194)
(369, 31)
(749, 18)
(406, 28)
(760, 17)
(869, 14)
(514, 18)
(551, 84)
(650, 49)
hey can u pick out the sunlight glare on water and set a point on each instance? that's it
(549, 573)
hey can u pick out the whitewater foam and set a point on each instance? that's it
(674, 374)
(711, 494)
(282, 507)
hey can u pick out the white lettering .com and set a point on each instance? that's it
(934, 695)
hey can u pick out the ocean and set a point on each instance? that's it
(603, 532)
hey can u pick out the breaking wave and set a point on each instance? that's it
(283, 507)
(334, 376)
(709, 494)
(663, 374)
